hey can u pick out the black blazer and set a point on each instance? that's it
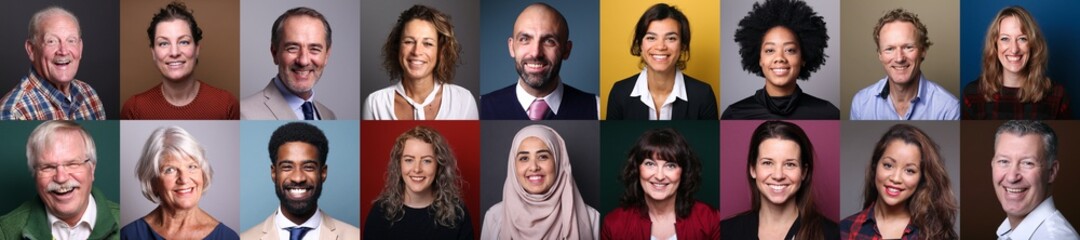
(700, 104)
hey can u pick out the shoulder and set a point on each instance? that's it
(223, 232)
(454, 88)
(256, 232)
(16, 219)
(382, 96)
(215, 92)
(740, 221)
(626, 84)
(695, 84)
(621, 217)
(138, 229)
(506, 92)
(340, 226)
(84, 87)
(973, 88)
(869, 91)
(493, 216)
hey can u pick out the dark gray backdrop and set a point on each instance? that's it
(99, 67)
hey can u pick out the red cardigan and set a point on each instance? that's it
(632, 223)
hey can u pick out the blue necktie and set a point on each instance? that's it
(309, 111)
(297, 233)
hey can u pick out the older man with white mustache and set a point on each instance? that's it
(50, 91)
(61, 156)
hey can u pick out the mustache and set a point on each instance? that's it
(289, 185)
(54, 186)
(295, 67)
(535, 60)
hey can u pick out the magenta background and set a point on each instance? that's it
(734, 140)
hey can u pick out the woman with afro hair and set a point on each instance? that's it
(782, 40)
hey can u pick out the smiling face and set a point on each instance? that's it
(56, 50)
(1021, 176)
(179, 182)
(63, 177)
(660, 179)
(535, 164)
(418, 166)
(781, 58)
(899, 51)
(778, 172)
(419, 49)
(301, 54)
(898, 173)
(661, 46)
(1012, 45)
(538, 47)
(174, 50)
(298, 177)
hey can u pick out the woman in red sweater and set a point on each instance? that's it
(174, 44)
(661, 176)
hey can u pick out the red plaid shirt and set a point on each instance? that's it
(862, 226)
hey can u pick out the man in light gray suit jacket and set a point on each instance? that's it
(298, 153)
(300, 56)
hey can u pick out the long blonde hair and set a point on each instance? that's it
(446, 187)
(1038, 84)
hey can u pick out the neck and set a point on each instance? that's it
(660, 82)
(904, 92)
(419, 199)
(176, 219)
(543, 91)
(657, 208)
(884, 212)
(1013, 80)
(181, 92)
(299, 218)
(780, 91)
(418, 89)
(785, 213)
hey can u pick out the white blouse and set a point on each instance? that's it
(457, 103)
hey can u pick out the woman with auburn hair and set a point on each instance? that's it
(781, 170)
(421, 198)
(422, 53)
(660, 177)
(907, 194)
(1013, 83)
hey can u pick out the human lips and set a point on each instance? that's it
(1015, 192)
(64, 190)
(62, 61)
(777, 188)
(535, 178)
(660, 57)
(298, 192)
(659, 186)
(535, 65)
(302, 73)
(893, 191)
(1014, 58)
(780, 71)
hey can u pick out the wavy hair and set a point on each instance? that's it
(933, 206)
(658, 12)
(449, 50)
(666, 144)
(901, 15)
(807, 25)
(446, 185)
(804, 198)
(1038, 84)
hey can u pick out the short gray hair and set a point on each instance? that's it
(43, 134)
(165, 141)
(1025, 127)
(35, 20)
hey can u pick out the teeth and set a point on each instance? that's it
(1012, 58)
(297, 191)
(1014, 190)
(660, 57)
(534, 65)
(186, 190)
(64, 190)
(417, 178)
(780, 71)
(777, 188)
(892, 190)
(535, 178)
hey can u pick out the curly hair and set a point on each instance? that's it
(299, 132)
(1038, 84)
(449, 52)
(446, 185)
(933, 207)
(804, 198)
(795, 15)
(667, 144)
(658, 12)
(901, 15)
(174, 11)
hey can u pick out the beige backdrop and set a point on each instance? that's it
(219, 58)
(859, 62)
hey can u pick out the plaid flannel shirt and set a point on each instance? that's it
(36, 99)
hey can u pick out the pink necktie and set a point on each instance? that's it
(537, 110)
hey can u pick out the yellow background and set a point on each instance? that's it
(617, 20)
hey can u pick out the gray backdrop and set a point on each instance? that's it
(581, 70)
(378, 18)
(220, 139)
(340, 191)
(737, 84)
(99, 67)
(859, 139)
(582, 139)
(338, 87)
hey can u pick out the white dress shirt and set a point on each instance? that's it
(315, 223)
(553, 100)
(1044, 222)
(641, 89)
(82, 229)
(457, 103)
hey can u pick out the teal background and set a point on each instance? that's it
(619, 136)
(19, 184)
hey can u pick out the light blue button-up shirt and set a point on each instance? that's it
(932, 102)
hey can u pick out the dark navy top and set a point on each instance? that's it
(139, 229)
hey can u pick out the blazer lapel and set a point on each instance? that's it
(679, 110)
(329, 228)
(275, 102)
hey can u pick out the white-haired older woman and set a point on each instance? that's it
(174, 173)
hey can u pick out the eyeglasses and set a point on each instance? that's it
(49, 170)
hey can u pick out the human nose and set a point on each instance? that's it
(1012, 174)
(303, 59)
(894, 176)
(61, 174)
(777, 173)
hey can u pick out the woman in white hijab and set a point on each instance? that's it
(540, 199)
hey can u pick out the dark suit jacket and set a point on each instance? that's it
(700, 104)
(503, 104)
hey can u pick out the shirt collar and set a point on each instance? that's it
(290, 98)
(641, 86)
(89, 216)
(280, 222)
(553, 99)
(883, 90)
(52, 90)
(1031, 222)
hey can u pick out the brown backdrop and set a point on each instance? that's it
(979, 208)
(219, 58)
